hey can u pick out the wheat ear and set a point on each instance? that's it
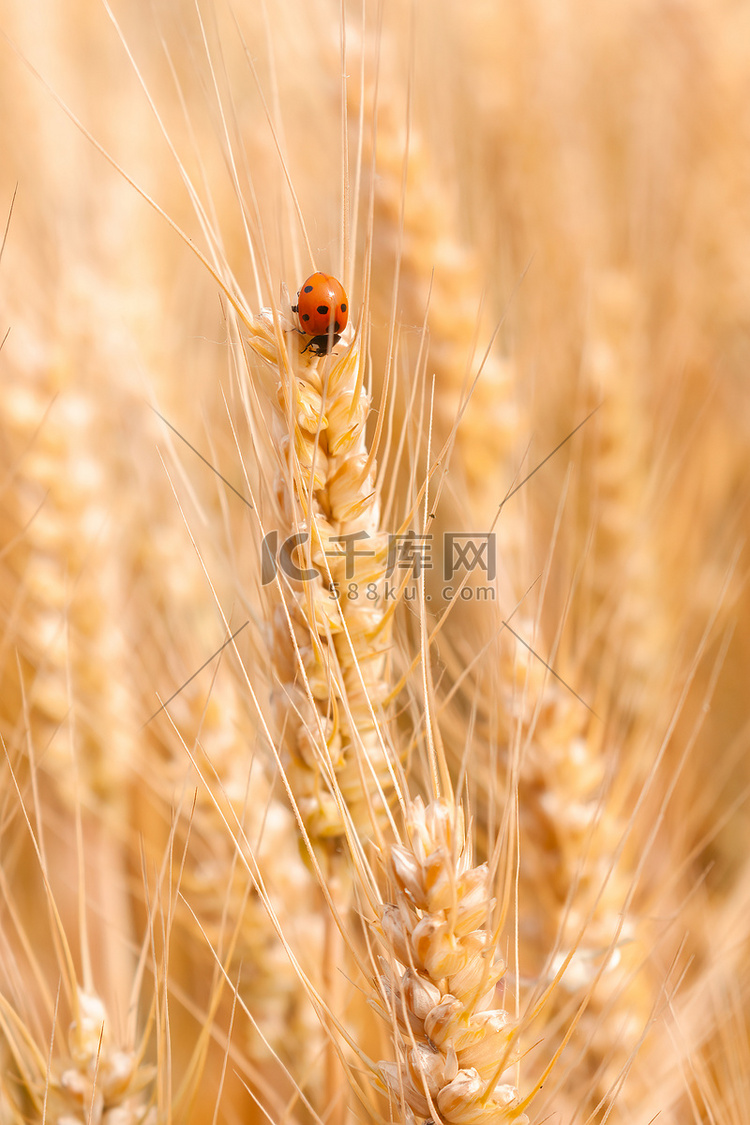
(622, 585)
(438, 282)
(63, 578)
(438, 981)
(229, 825)
(89, 1077)
(329, 649)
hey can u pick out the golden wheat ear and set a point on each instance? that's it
(67, 1056)
(326, 563)
(438, 977)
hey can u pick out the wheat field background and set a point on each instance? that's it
(478, 855)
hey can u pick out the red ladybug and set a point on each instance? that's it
(323, 311)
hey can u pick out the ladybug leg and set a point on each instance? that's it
(321, 345)
(318, 345)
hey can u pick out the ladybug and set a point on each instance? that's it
(323, 311)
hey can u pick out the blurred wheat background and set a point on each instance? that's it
(544, 208)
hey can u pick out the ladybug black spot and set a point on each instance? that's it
(305, 316)
(308, 289)
(342, 306)
(322, 309)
